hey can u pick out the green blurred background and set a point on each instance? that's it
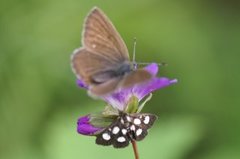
(40, 102)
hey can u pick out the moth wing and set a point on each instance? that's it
(113, 135)
(136, 77)
(141, 130)
(101, 38)
(147, 120)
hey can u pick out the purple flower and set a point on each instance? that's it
(120, 98)
(84, 126)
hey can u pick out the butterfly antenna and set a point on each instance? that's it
(146, 63)
(135, 64)
(134, 53)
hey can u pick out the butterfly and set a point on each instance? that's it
(127, 127)
(103, 61)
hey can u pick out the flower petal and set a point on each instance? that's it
(120, 98)
(85, 128)
(152, 68)
(156, 83)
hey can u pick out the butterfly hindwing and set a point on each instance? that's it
(82, 64)
(105, 87)
(136, 77)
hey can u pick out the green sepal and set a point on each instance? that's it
(132, 105)
(100, 120)
(104, 118)
(110, 111)
(144, 102)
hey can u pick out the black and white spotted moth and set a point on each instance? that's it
(127, 127)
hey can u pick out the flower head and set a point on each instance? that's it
(120, 98)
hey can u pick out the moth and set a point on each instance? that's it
(127, 127)
(103, 60)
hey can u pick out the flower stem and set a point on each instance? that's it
(134, 145)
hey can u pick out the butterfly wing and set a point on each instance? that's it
(101, 38)
(102, 53)
(86, 65)
(104, 88)
(136, 77)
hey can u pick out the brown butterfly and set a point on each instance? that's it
(103, 60)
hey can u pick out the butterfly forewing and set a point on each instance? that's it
(101, 38)
(126, 128)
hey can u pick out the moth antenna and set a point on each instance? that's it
(134, 53)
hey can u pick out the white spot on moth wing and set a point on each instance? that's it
(132, 128)
(124, 131)
(115, 130)
(106, 136)
(128, 118)
(137, 121)
(122, 121)
(139, 132)
(146, 120)
(121, 139)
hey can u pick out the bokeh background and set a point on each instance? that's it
(40, 102)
